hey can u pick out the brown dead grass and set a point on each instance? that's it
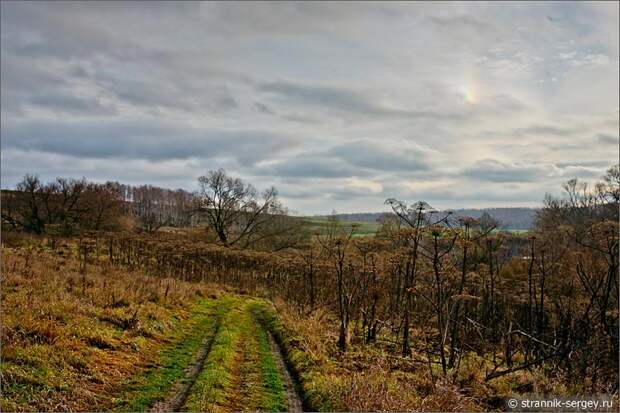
(374, 378)
(70, 339)
(365, 378)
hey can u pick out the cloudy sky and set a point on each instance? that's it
(340, 106)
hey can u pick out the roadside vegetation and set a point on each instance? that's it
(105, 338)
(71, 336)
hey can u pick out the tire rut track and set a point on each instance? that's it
(180, 391)
(244, 365)
(245, 371)
(293, 400)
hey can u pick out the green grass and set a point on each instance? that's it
(301, 362)
(240, 370)
(153, 385)
(209, 391)
(519, 231)
(362, 228)
(274, 396)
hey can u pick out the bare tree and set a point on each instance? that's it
(335, 245)
(22, 208)
(233, 208)
(104, 204)
(414, 217)
(148, 206)
(471, 230)
(66, 205)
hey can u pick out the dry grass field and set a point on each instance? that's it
(98, 337)
(71, 338)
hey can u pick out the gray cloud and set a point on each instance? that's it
(495, 171)
(289, 116)
(372, 155)
(71, 104)
(527, 172)
(312, 167)
(142, 140)
(443, 197)
(198, 97)
(359, 158)
(332, 97)
(547, 130)
(261, 107)
(607, 139)
(466, 24)
(344, 100)
(591, 164)
(340, 105)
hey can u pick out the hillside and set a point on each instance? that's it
(509, 218)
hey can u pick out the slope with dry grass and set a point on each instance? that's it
(94, 337)
(101, 338)
(372, 378)
(72, 337)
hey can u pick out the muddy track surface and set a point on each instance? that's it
(181, 390)
(292, 397)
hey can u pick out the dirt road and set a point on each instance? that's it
(237, 367)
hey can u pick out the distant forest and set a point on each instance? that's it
(509, 218)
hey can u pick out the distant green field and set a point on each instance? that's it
(362, 228)
(365, 228)
(518, 231)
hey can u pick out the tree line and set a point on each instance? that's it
(233, 211)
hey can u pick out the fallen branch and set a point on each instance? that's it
(495, 374)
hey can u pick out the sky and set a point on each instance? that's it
(337, 105)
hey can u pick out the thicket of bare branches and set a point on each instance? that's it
(230, 208)
(439, 288)
(64, 205)
(70, 205)
(155, 207)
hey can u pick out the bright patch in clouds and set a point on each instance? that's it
(470, 94)
(364, 185)
(339, 105)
